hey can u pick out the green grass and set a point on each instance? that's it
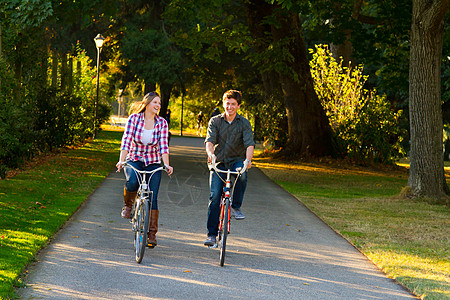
(35, 203)
(407, 238)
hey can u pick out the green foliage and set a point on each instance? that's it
(30, 13)
(363, 120)
(272, 122)
(58, 119)
(165, 63)
(13, 124)
(378, 33)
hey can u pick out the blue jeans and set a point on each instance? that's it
(132, 183)
(216, 187)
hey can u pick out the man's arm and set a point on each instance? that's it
(249, 155)
(209, 150)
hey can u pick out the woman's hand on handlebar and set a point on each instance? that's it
(169, 169)
(119, 165)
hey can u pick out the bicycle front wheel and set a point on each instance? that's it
(140, 237)
(224, 232)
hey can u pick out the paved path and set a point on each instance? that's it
(280, 251)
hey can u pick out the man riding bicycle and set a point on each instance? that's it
(230, 139)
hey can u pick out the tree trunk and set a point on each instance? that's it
(0, 49)
(78, 72)
(343, 51)
(63, 72)
(308, 127)
(166, 90)
(309, 130)
(44, 67)
(18, 68)
(257, 12)
(149, 87)
(54, 68)
(426, 176)
(70, 75)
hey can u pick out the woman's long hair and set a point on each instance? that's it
(139, 106)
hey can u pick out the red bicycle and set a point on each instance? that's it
(225, 206)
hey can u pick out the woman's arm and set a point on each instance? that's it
(164, 146)
(122, 158)
(165, 158)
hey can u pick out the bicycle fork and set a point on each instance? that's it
(222, 211)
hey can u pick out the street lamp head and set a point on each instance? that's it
(99, 41)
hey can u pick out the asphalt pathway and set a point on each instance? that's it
(280, 251)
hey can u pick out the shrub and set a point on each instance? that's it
(14, 120)
(363, 121)
(272, 122)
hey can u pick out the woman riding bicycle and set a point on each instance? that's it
(144, 143)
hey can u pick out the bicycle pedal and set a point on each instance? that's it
(213, 246)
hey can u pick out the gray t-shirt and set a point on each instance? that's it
(230, 140)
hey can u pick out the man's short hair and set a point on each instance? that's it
(233, 94)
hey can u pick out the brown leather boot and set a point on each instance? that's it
(128, 199)
(153, 229)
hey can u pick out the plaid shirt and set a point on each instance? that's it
(132, 140)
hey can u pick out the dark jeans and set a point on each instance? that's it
(132, 183)
(216, 187)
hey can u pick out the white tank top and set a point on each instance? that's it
(147, 136)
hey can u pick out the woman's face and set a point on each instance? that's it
(154, 106)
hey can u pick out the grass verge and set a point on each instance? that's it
(408, 239)
(36, 202)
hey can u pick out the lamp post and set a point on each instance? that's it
(99, 39)
(119, 100)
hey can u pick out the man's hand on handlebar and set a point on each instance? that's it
(248, 162)
(211, 158)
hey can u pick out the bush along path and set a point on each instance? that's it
(36, 202)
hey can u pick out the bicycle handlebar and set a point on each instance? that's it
(213, 165)
(144, 172)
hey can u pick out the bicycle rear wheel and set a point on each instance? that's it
(224, 232)
(140, 236)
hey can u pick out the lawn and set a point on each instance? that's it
(407, 238)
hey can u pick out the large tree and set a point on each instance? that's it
(426, 177)
(308, 128)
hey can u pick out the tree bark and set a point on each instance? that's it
(18, 69)
(78, 72)
(257, 12)
(63, 71)
(70, 75)
(54, 68)
(166, 90)
(0, 49)
(343, 51)
(149, 87)
(309, 131)
(426, 176)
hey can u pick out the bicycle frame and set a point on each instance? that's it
(225, 206)
(141, 217)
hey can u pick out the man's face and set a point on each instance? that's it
(231, 106)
